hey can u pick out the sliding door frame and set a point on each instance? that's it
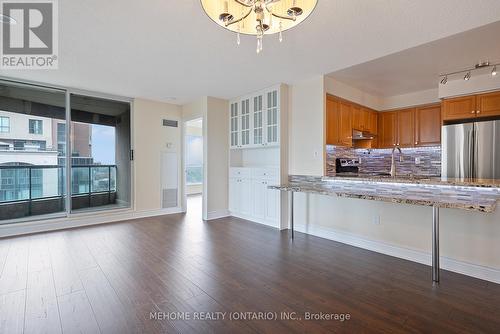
(68, 91)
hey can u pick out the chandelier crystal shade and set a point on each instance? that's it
(258, 17)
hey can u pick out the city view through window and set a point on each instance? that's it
(33, 152)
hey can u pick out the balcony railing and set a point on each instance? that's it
(33, 190)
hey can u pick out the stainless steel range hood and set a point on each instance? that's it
(362, 135)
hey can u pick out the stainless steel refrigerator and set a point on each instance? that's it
(471, 150)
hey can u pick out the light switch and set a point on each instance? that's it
(417, 161)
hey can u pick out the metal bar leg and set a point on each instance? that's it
(435, 244)
(291, 214)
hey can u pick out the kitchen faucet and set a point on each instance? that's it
(393, 163)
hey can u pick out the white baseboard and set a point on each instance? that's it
(465, 268)
(217, 214)
(78, 220)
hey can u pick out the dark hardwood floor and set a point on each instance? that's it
(111, 278)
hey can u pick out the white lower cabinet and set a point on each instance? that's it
(250, 198)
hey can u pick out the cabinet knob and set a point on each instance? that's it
(478, 111)
(473, 112)
(394, 144)
(416, 142)
(398, 144)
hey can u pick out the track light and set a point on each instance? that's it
(481, 66)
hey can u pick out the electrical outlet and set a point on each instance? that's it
(376, 220)
(417, 161)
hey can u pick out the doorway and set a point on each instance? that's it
(193, 167)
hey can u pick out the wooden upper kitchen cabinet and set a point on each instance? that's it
(405, 127)
(488, 105)
(387, 129)
(357, 117)
(345, 123)
(459, 108)
(372, 122)
(428, 125)
(342, 117)
(332, 120)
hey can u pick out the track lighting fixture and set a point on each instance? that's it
(468, 71)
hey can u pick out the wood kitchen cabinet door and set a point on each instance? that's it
(387, 129)
(405, 127)
(488, 104)
(371, 121)
(428, 125)
(332, 121)
(345, 123)
(357, 118)
(459, 108)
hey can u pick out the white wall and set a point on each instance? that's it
(410, 99)
(306, 134)
(150, 140)
(467, 237)
(216, 158)
(340, 89)
(476, 84)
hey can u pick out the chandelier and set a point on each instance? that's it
(258, 17)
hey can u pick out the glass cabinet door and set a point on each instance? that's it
(245, 122)
(257, 120)
(234, 124)
(272, 117)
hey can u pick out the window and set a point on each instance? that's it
(4, 124)
(36, 126)
(194, 159)
(61, 138)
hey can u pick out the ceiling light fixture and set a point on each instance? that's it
(468, 72)
(258, 17)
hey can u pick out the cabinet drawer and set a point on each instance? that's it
(240, 172)
(265, 173)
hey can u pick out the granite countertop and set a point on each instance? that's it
(441, 194)
(417, 179)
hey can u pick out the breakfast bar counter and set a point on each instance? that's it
(471, 195)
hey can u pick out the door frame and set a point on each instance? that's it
(184, 171)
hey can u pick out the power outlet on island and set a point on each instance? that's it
(376, 220)
(417, 161)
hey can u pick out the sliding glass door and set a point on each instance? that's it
(53, 143)
(32, 174)
(100, 159)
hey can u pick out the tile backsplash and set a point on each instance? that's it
(379, 160)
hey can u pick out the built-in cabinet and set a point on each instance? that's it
(343, 116)
(249, 195)
(258, 156)
(255, 120)
(472, 106)
(410, 127)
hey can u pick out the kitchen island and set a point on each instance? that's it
(470, 194)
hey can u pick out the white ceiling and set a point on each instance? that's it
(418, 68)
(164, 49)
